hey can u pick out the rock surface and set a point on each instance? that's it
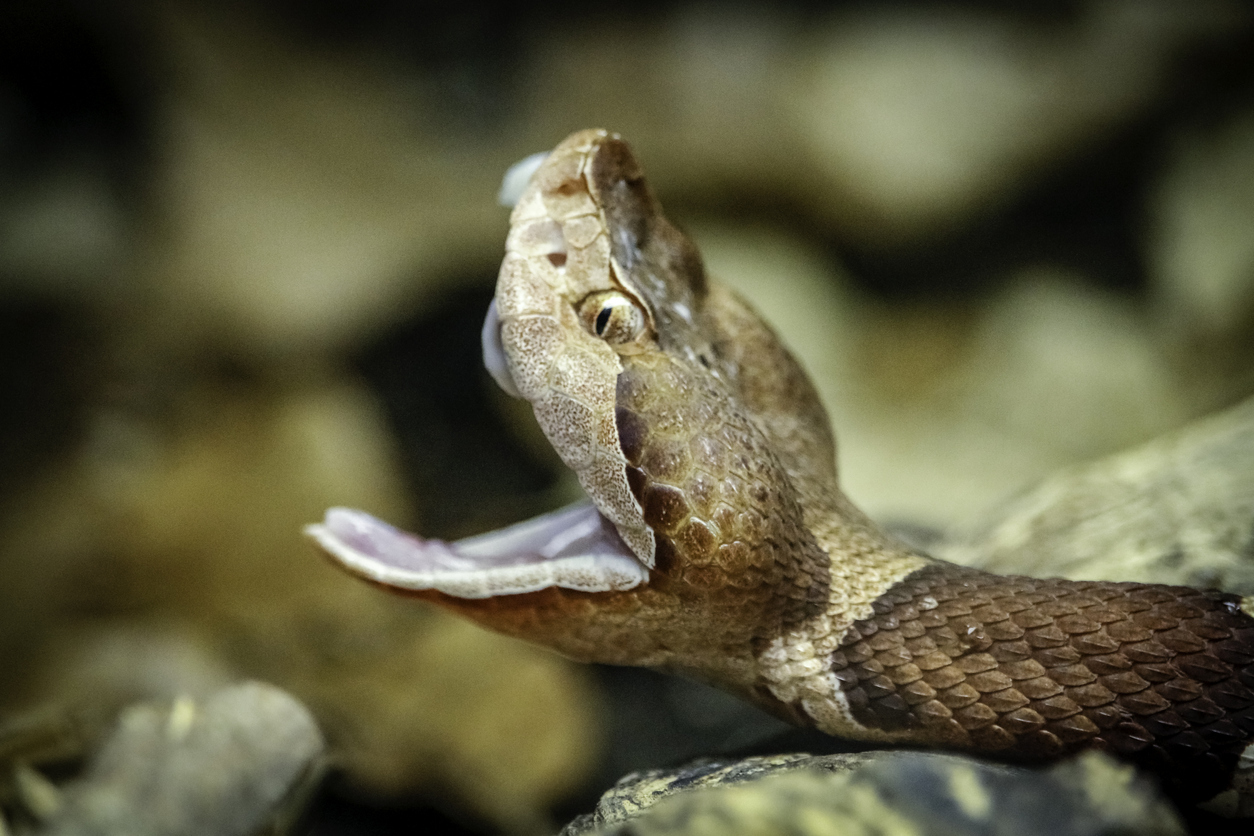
(1178, 510)
(897, 793)
(229, 766)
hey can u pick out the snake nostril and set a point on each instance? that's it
(557, 259)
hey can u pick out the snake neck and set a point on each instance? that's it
(733, 466)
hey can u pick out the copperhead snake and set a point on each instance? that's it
(718, 544)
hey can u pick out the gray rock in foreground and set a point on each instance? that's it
(887, 793)
(228, 765)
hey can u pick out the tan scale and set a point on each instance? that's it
(697, 434)
(557, 250)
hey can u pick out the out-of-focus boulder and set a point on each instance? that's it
(168, 557)
(1177, 510)
(239, 761)
(1201, 254)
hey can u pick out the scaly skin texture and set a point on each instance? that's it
(701, 438)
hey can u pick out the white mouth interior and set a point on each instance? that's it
(573, 548)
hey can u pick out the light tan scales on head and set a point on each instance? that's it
(558, 255)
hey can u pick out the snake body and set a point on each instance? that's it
(719, 545)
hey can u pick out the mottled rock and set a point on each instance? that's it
(638, 791)
(903, 793)
(1178, 510)
(227, 765)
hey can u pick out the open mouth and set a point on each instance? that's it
(573, 548)
(589, 547)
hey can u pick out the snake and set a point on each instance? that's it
(716, 542)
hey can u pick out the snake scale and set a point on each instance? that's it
(718, 544)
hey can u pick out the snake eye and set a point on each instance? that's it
(612, 316)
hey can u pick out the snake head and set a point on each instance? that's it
(603, 320)
(569, 305)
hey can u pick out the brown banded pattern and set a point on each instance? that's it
(1034, 669)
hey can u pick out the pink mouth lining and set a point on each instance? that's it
(574, 548)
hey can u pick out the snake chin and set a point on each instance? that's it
(573, 548)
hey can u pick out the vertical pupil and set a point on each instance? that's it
(603, 319)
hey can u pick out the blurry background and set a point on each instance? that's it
(245, 250)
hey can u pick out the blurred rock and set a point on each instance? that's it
(903, 793)
(93, 672)
(917, 120)
(653, 719)
(306, 197)
(887, 124)
(1178, 510)
(167, 555)
(1201, 254)
(231, 765)
(65, 236)
(1200, 248)
(71, 145)
(37, 795)
(1057, 363)
(475, 455)
(310, 195)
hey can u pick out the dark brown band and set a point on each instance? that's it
(1031, 669)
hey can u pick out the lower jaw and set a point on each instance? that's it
(572, 548)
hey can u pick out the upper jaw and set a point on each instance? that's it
(558, 252)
